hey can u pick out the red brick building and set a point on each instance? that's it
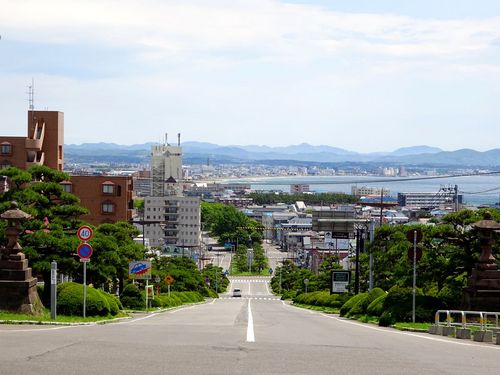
(108, 198)
(42, 146)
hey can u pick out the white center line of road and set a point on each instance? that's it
(250, 333)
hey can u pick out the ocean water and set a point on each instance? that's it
(476, 190)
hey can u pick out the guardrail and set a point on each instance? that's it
(485, 321)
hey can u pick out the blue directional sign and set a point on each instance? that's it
(84, 251)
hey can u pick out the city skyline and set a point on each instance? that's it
(363, 77)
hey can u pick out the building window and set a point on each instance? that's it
(4, 164)
(6, 148)
(67, 187)
(108, 188)
(108, 207)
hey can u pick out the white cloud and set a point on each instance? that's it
(266, 29)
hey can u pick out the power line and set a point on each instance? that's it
(481, 192)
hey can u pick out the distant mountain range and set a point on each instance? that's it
(200, 152)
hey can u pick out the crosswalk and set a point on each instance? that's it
(253, 298)
(250, 280)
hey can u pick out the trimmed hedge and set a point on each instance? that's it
(346, 307)
(70, 301)
(177, 299)
(398, 306)
(321, 298)
(376, 308)
(132, 297)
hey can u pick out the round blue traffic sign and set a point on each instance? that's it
(84, 251)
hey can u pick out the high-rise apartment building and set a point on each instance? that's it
(175, 220)
(166, 162)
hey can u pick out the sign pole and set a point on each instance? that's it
(84, 288)
(168, 286)
(414, 273)
(53, 290)
(147, 291)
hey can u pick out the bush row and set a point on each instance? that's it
(391, 307)
(133, 298)
(322, 298)
(98, 302)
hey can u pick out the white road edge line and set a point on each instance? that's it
(396, 332)
(267, 287)
(250, 333)
(392, 331)
(44, 329)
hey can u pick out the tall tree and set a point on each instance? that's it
(50, 234)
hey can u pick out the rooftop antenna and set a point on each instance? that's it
(166, 139)
(31, 100)
(178, 139)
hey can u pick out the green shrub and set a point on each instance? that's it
(348, 305)
(70, 300)
(165, 301)
(114, 303)
(337, 300)
(132, 297)
(450, 296)
(399, 305)
(289, 294)
(386, 319)
(376, 308)
(359, 306)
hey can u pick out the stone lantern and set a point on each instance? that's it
(18, 291)
(483, 286)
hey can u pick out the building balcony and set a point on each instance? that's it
(172, 219)
(35, 158)
(36, 142)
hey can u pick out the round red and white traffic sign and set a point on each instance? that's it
(84, 233)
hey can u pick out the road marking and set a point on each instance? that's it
(394, 331)
(267, 288)
(44, 329)
(250, 333)
(183, 308)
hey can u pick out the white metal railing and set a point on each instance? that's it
(486, 319)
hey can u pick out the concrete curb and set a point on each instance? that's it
(97, 322)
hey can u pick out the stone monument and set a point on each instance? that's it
(18, 291)
(483, 287)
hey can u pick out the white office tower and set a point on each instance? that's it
(166, 164)
(176, 220)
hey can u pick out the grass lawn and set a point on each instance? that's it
(424, 326)
(45, 317)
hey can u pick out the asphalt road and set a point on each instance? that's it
(255, 334)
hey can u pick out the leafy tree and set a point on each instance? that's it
(213, 273)
(229, 224)
(308, 199)
(114, 247)
(50, 235)
(450, 250)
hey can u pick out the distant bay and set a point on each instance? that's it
(476, 190)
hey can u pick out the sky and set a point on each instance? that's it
(363, 75)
